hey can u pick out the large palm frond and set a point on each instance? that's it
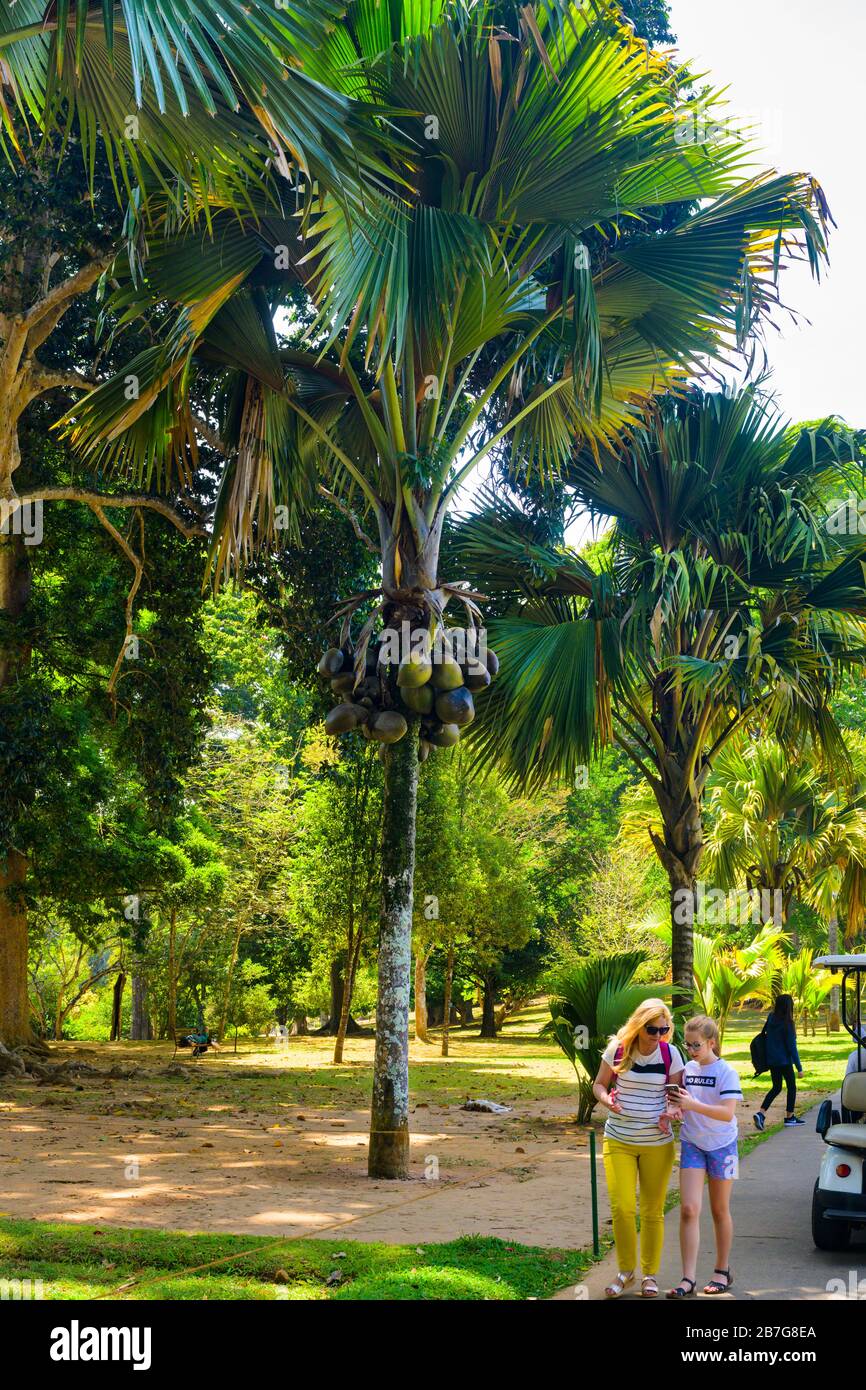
(188, 90)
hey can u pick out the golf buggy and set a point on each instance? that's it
(839, 1199)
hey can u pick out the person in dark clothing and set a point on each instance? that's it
(783, 1057)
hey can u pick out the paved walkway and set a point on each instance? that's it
(773, 1255)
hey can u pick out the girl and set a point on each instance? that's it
(708, 1099)
(638, 1144)
(783, 1057)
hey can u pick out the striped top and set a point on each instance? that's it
(641, 1093)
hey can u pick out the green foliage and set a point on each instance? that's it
(250, 1004)
(595, 996)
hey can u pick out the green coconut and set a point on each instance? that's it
(343, 718)
(492, 662)
(455, 707)
(477, 677)
(414, 672)
(419, 700)
(446, 674)
(331, 663)
(423, 751)
(388, 726)
(444, 737)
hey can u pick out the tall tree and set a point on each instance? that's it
(191, 110)
(720, 601)
(459, 309)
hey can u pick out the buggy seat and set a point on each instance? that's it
(850, 1136)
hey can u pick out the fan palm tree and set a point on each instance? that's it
(726, 976)
(184, 95)
(460, 312)
(783, 826)
(718, 601)
(588, 1001)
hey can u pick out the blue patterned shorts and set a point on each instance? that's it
(718, 1163)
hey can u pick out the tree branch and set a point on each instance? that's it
(41, 379)
(137, 563)
(122, 499)
(68, 289)
(209, 434)
(356, 525)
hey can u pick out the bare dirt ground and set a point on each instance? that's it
(273, 1142)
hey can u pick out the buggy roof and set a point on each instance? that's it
(841, 962)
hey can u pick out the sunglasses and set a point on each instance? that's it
(695, 1046)
(653, 1031)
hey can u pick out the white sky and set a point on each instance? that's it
(797, 70)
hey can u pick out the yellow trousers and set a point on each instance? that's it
(626, 1165)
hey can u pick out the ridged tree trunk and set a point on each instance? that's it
(348, 991)
(421, 996)
(15, 1027)
(446, 1016)
(680, 851)
(117, 1007)
(172, 974)
(140, 1026)
(488, 1011)
(389, 1121)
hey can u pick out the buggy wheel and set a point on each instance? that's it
(826, 1233)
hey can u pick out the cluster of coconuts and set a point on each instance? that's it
(436, 686)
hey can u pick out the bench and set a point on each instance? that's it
(197, 1049)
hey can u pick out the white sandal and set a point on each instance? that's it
(649, 1286)
(619, 1285)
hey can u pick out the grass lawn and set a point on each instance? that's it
(269, 1128)
(823, 1057)
(84, 1262)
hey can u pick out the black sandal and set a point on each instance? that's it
(716, 1286)
(680, 1292)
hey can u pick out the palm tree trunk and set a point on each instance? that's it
(446, 1018)
(389, 1117)
(15, 1027)
(680, 853)
(682, 896)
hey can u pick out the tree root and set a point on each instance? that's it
(29, 1061)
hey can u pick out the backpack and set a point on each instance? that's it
(758, 1050)
(665, 1048)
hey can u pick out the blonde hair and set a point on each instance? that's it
(626, 1037)
(708, 1029)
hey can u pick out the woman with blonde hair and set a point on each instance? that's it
(637, 1066)
(708, 1145)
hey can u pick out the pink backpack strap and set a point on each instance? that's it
(617, 1056)
(666, 1058)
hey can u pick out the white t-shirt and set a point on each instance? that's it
(852, 1060)
(710, 1085)
(641, 1093)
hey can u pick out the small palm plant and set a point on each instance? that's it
(726, 976)
(807, 987)
(588, 1002)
